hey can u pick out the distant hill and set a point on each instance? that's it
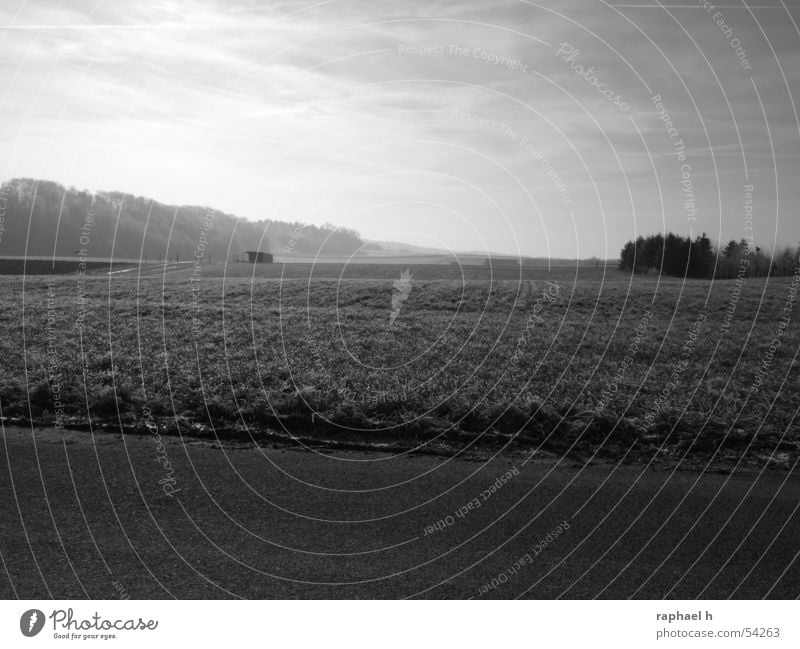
(396, 249)
(399, 246)
(133, 227)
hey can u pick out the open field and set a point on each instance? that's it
(586, 362)
(54, 266)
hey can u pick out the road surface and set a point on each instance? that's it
(103, 515)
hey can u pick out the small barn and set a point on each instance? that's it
(258, 257)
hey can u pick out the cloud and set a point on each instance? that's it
(265, 108)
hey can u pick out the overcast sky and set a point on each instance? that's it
(496, 136)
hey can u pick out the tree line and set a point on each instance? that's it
(679, 256)
(43, 218)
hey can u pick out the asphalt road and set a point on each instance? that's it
(87, 516)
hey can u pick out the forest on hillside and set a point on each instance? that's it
(43, 218)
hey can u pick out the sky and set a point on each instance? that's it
(558, 129)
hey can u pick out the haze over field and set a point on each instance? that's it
(460, 125)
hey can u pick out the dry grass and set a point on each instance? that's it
(313, 350)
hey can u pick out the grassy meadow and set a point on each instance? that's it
(569, 361)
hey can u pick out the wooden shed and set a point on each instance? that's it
(258, 257)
